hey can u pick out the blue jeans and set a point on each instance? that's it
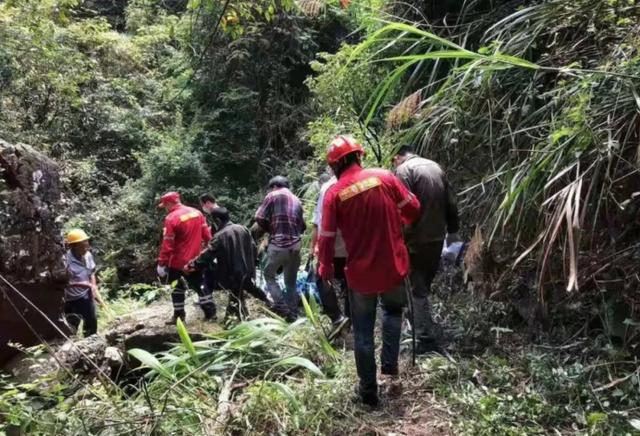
(363, 314)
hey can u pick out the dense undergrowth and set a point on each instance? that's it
(134, 98)
(265, 376)
(261, 376)
(531, 106)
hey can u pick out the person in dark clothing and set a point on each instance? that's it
(438, 223)
(208, 203)
(234, 252)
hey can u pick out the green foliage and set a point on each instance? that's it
(178, 393)
(341, 91)
(509, 385)
(531, 393)
(176, 102)
(144, 293)
(532, 111)
(547, 121)
(308, 405)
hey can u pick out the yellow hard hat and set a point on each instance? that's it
(76, 235)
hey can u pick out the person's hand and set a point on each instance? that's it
(96, 295)
(451, 238)
(161, 270)
(190, 267)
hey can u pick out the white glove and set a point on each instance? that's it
(161, 270)
(451, 238)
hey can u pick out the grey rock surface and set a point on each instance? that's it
(31, 248)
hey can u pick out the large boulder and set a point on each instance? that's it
(31, 249)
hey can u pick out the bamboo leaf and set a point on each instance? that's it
(297, 361)
(150, 361)
(433, 55)
(513, 60)
(186, 340)
(324, 342)
(286, 392)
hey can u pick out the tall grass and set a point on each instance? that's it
(537, 120)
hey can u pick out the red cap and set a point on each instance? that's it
(169, 198)
(341, 146)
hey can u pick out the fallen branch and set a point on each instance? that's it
(224, 407)
(617, 381)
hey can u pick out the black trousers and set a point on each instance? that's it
(330, 297)
(425, 260)
(251, 289)
(237, 306)
(193, 281)
(210, 281)
(82, 309)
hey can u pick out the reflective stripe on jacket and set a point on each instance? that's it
(185, 231)
(369, 207)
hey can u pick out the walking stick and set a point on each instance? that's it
(407, 285)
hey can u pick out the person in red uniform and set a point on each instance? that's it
(184, 235)
(369, 207)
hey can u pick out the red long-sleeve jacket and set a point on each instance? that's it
(369, 207)
(185, 232)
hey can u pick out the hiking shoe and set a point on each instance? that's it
(338, 326)
(291, 317)
(369, 398)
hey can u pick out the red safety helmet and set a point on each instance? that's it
(169, 198)
(341, 146)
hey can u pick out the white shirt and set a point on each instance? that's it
(340, 248)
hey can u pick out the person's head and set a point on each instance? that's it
(343, 152)
(278, 182)
(169, 200)
(207, 202)
(324, 178)
(403, 153)
(220, 216)
(78, 242)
